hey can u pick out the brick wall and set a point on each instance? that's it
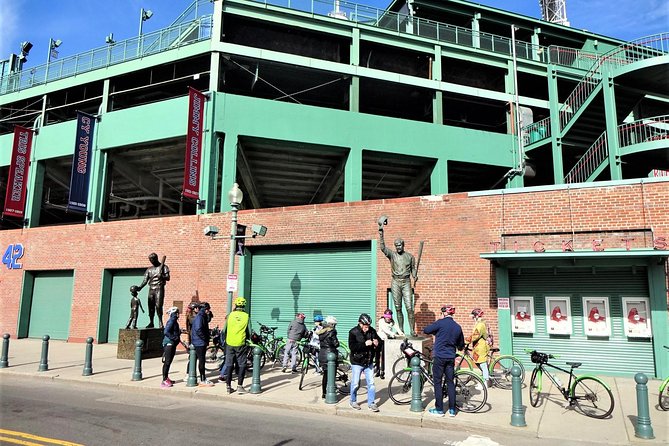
(456, 229)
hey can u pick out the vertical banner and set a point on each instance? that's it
(191, 186)
(81, 163)
(15, 198)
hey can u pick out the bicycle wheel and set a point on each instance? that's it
(535, 383)
(399, 387)
(400, 364)
(471, 392)
(663, 399)
(592, 397)
(460, 359)
(213, 358)
(305, 368)
(342, 380)
(500, 371)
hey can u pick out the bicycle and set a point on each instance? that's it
(215, 353)
(663, 399)
(471, 393)
(499, 367)
(310, 357)
(588, 394)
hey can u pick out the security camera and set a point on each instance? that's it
(210, 231)
(259, 230)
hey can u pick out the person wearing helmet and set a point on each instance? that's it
(314, 341)
(448, 338)
(236, 331)
(296, 331)
(135, 306)
(363, 341)
(156, 276)
(200, 337)
(171, 337)
(191, 314)
(479, 343)
(387, 329)
(327, 339)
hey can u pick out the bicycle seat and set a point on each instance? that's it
(273, 328)
(574, 364)
(494, 350)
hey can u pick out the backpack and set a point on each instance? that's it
(490, 339)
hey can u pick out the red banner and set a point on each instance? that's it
(191, 186)
(15, 198)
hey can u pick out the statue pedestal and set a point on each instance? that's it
(153, 343)
(391, 349)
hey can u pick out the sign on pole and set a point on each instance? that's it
(503, 303)
(232, 282)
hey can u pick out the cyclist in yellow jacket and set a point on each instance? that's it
(479, 343)
(235, 332)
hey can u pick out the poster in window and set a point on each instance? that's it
(636, 313)
(522, 319)
(596, 316)
(558, 315)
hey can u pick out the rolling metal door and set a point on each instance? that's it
(119, 308)
(51, 305)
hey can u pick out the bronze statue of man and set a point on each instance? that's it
(156, 276)
(403, 268)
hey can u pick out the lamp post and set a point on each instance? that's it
(235, 196)
(144, 15)
(53, 44)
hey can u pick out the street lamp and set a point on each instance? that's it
(53, 44)
(144, 15)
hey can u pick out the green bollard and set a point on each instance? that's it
(137, 373)
(255, 379)
(44, 359)
(517, 409)
(642, 428)
(88, 361)
(416, 388)
(330, 388)
(4, 359)
(192, 373)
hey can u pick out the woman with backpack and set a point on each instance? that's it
(479, 343)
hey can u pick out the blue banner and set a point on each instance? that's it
(81, 163)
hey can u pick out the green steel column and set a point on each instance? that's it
(504, 335)
(229, 168)
(34, 194)
(438, 99)
(209, 166)
(353, 175)
(476, 28)
(658, 309)
(535, 43)
(610, 115)
(96, 200)
(439, 177)
(354, 88)
(556, 136)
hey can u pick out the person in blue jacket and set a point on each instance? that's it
(171, 338)
(200, 337)
(448, 338)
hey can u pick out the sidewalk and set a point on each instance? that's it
(551, 420)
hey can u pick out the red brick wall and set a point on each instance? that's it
(456, 230)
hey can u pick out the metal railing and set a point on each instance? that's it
(536, 131)
(634, 51)
(134, 48)
(590, 161)
(643, 130)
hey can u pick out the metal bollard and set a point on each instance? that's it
(255, 379)
(642, 428)
(330, 388)
(88, 361)
(416, 388)
(192, 374)
(517, 409)
(137, 373)
(4, 359)
(44, 359)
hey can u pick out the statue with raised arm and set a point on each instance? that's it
(403, 268)
(156, 276)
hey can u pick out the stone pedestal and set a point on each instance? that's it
(153, 343)
(392, 351)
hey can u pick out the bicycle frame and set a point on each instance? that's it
(566, 392)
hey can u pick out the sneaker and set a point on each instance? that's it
(488, 383)
(165, 385)
(230, 390)
(240, 389)
(322, 396)
(373, 407)
(206, 383)
(451, 413)
(436, 412)
(294, 371)
(170, 382)
(283, 370)
(355, 405)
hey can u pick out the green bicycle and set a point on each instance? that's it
(499, 367)
(588, 394)
(663, 399)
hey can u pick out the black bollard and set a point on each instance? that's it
(44, 359)
(4, 359)
(137, 373)
(192, 373)
(88, 360)
(330, 388)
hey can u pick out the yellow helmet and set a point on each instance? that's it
(240, 302)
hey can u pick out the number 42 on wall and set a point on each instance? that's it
(11, 256)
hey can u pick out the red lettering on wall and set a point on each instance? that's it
(495, 246)
(597, 244)
(515, 245)
(567, 246)
(627, 242)
(539, 246)
(660, 243)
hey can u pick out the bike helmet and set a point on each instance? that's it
(205, 306)
(388, 314)
(240, 302)
(365, 319)
(318, 318)
(172, 310)
(477, 312)
(448, 309)
(193, 305)
(300, 315)
(331, 320)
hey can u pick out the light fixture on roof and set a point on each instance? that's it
(53, 44)
(25, 49)
(109, 40)
(144, 15)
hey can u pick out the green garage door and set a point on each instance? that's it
(616, 354)
(119, 308)
(334, 280)
(51, 305)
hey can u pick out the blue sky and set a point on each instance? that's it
(83, 25)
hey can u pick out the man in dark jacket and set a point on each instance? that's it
(363, 340)
(296, 331)
(448, 338)
(199, 336)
